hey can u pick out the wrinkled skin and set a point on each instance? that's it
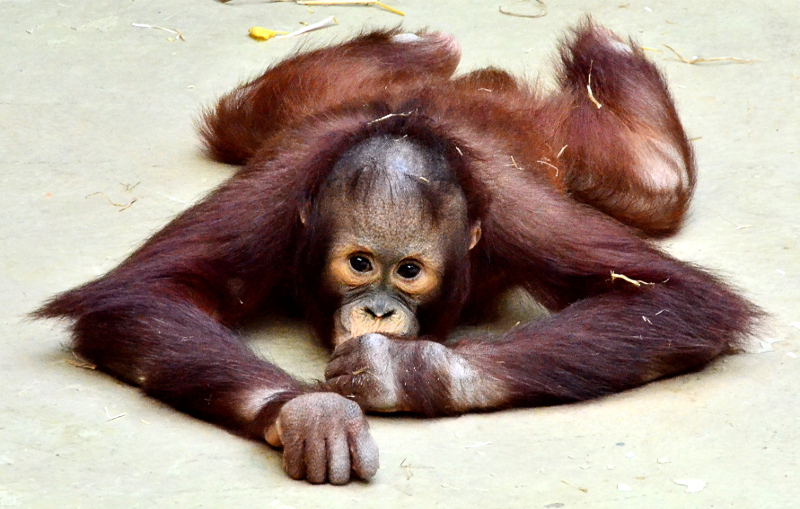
(325, 438)
(366, 369)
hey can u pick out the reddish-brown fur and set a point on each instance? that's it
(162, 320)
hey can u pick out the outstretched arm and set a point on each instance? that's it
(161, 321)
(627, 313)
(657, 317)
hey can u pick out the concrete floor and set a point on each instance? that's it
(95, 113)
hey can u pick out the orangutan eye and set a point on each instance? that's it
(408, 270)
(360, 264)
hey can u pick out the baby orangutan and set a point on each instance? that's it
(392, 199)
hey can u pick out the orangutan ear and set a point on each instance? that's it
(305, 211)
(475, 234)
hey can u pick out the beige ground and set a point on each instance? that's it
(95, 113)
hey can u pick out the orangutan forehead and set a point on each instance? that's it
(394, 157)
(394, 169)
(392, 219)
(393, 187)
